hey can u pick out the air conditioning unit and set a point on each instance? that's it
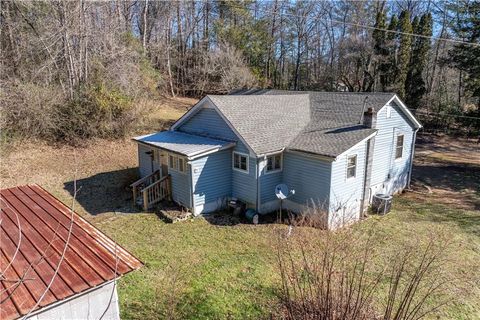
(381, 203)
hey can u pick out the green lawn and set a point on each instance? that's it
(199, 270)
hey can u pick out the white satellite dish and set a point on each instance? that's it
(281, 191)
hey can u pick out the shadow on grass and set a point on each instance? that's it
(106, 192)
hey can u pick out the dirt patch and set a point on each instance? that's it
(447, 170)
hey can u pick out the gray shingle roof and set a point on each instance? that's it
(332, 109)
(325, 123)
(183, 143)
(330, 142)
(266, 123)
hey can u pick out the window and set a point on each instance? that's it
(181, 165)
(172, 162)
(240, 161)
(399, 147)
(274, 162)
(351, 166)
(177, 163)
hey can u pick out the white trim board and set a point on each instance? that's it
(405, 110)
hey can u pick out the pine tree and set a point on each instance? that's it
(405, 26)
(467, 57)
(380, 47)
(415, 85)
(391, 61)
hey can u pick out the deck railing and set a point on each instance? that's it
(156, 192)
(139, 185)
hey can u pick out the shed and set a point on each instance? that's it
(53, 263)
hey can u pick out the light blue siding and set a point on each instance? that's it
(244, 185)
(268, 182)
(309, 177)
(207, 122)
(145, 163)
(144, 160)
(346, 194)
(181, 187)
(212, 179)
(390, 175)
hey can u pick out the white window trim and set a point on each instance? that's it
(347, 178)
(176, 161)
(233, 162)
(395, 147)
(274, 170)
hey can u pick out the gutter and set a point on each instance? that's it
(263, 155)
(190, 156)
(192, 198)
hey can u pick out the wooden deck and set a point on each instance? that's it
(152, 189)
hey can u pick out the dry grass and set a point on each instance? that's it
(229, 270)
(166, 112)
(103, 168)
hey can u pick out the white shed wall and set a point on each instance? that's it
(90, 305)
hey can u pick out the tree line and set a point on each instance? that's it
(87, 62)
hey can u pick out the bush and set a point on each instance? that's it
(28, 110)
(98, 112)
(347, 275)
(108, 102)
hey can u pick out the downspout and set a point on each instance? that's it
(192, 203)
(257, 174)
(369, 119)
(412, 154)
(366, 176)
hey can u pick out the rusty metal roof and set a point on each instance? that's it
(34, 230)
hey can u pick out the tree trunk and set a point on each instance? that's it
(145, 11)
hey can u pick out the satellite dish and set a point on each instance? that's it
(281, 191)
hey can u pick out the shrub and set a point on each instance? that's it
(348, 275)
(98, 112)
(28, 110)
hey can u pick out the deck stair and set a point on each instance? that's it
(151, 189)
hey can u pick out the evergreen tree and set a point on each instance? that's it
(404, 50)
(238, 27)
(467, 57)
(391, 48)
(415, 85)
(380, 47)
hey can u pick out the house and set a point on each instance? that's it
(53, 263)
(334, 149)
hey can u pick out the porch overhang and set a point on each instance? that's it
(189, 145)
